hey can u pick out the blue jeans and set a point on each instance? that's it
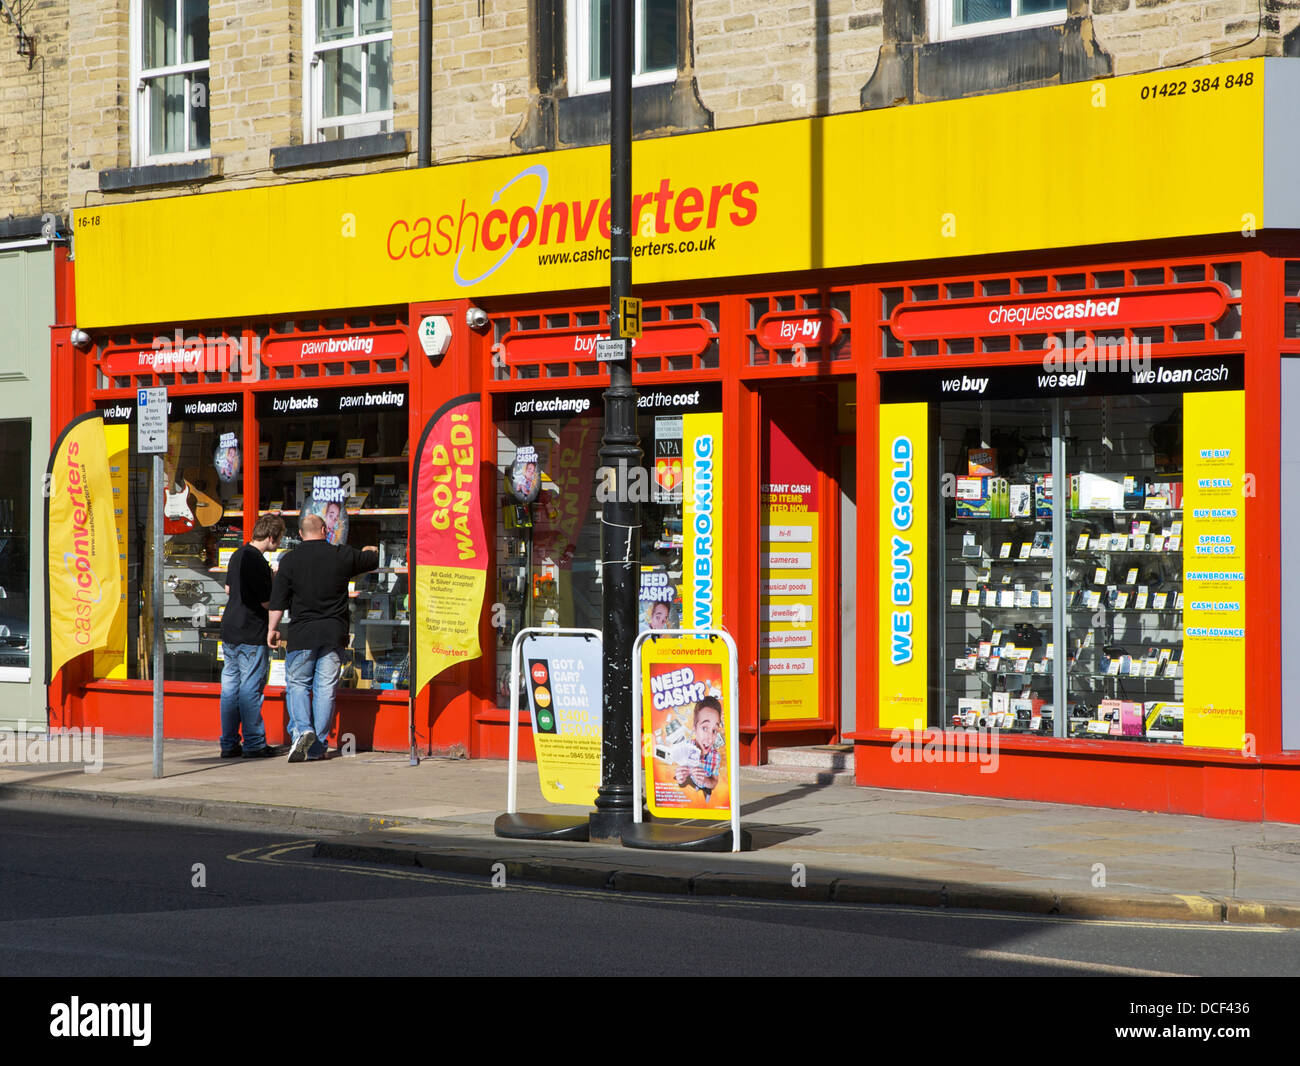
(242, 679)
(311, 679)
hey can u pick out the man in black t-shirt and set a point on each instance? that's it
(312, 584)
(243, 643)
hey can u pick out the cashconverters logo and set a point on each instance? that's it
(662, 210)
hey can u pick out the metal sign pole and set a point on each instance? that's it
(151, 439)
(157, 615)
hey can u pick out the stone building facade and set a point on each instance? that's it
(502, 79)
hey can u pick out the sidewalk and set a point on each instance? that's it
(854, 844)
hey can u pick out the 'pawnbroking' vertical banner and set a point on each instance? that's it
(702, 521)
(903, 525)
(448, 543)
(82, 573)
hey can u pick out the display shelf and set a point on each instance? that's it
(984, 561)
(375, 511)
(1084, 553)
(1081, 515)
(975, 520)
(374, 460)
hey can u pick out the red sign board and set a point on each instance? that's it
(194, 355)
(785, 329)
(385, 344)
(669, 338)
(1115, 309)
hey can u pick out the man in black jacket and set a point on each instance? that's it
(312, 584)
(243, 643)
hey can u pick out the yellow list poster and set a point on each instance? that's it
(1214, 570)
(789, 579)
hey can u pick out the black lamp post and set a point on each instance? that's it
(620, 453)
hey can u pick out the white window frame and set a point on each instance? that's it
(941, 18)
(139, 113)
(577, 23)
(313, 87)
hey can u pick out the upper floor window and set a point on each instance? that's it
(971, 18)
(654, 47)
(170, 56)
(349, 90)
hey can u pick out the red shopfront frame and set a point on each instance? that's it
(351, 352)
(1240, 295)
(457, 712)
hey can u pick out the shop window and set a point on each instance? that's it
(169, 57)
(1291, 279)
(349, 51)
(203, 523)
(1064, 608)
(1149, 276)
(1228, 327)
(1230, 275)
(1033, 285)
(1185, 274)
(15, 551)
(1108, 279)
(368, 451)
(1071, 282)
(1291, 322)
(548, 551)
(967, 18)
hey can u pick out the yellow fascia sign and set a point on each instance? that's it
(959, 178)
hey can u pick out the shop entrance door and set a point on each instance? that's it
(807, 535)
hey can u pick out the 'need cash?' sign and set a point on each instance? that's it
(448, 543)
(686, 731)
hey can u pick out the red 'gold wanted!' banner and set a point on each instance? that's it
(448, 544)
